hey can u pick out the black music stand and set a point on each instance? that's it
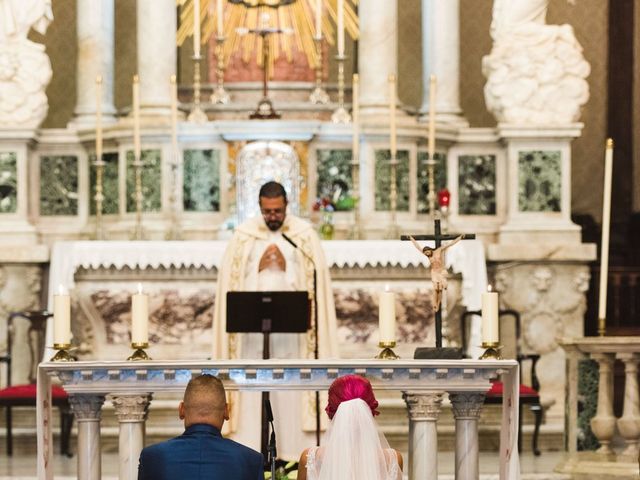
(266, 313)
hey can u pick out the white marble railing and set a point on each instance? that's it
(130, 385)
(605, 351)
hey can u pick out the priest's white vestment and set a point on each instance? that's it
(294, 412)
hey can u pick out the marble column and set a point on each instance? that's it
(603, 424)
(131, 411)
(95, 32)
(629, 423)
(87, 410)
(466, 410)
(157, 54)
(378, 54)
(423, 436)
(441, 57)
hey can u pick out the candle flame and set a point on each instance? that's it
(60, 290)
(139, 288)
(387, 288)
(489, 288)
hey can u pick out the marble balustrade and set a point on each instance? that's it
(130, 385)
(604, 425)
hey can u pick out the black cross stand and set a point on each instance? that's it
(439, 351)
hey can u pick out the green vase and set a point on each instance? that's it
(326, 229)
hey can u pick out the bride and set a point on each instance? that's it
(353, 447)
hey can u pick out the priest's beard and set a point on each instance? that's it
(274, 225)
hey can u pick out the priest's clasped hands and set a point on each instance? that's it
(273, 259)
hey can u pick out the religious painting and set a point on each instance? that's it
(8, 182)
(58, 185)
(201, 181)
(440, 177)
(477, 184)
(151, 181)
(335, 183)
(383, 180)
(539, 181)
(110, 190)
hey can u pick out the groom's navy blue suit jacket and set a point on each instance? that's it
(200, 453)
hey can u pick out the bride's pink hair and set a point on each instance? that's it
(350, 387)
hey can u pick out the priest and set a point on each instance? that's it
(259, 258)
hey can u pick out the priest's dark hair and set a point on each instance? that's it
(273, 190)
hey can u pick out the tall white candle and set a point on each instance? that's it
(61, 318)
(606, 222)
(387, 316)
(318, 19)
(196, 28)
(136, 117)
(355, 115)
(99, 118)
(174, 117)
(490, 321)
(340, 13)
(392, 115)
(139, 317)
(219, 18)
(432, 117)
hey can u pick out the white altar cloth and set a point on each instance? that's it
(466, 258)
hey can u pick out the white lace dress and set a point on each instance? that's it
(314, 465)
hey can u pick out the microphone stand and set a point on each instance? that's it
(272, 450)
(315, 324)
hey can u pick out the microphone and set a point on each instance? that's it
(295, 245)
(267, 406)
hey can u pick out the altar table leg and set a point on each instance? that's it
(87, 410)
(131, 411)
(466, 410)
(423, 437)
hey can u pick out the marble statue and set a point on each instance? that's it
(535, 72)
(25, 69)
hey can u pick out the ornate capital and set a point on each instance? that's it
(86, 407)
(423, 406)
(466, 405)
(131, 408)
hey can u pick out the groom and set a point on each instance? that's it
(201, 452)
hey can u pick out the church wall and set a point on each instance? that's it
(409, 53)
(125, 51)
(636, 112)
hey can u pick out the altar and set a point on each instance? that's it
(180, 278)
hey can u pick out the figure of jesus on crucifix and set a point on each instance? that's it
(438, 268)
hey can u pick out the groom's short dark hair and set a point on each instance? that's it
(273, 190)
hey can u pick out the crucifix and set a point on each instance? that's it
(265, 110)
(436, 257)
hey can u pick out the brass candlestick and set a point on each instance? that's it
(197, 115)
(431, 196)
(139, 352)
(138, 233)
(319, 96)
(220, 95)
(99, 197)
(393, 198)
(62, 354)
(387, 353)
(492, 351)
(340, 115)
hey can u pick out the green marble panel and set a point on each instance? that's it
(540, 181)
(201, 186)
(383, 183)
(59, 185)
(151, 181)
(8, 182)
(110, 204)
(588, 376)
(334, 178)
(477, 184)
(440, 180)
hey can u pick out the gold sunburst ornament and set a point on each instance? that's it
(307, 20)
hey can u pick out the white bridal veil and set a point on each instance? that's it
(353, 448)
